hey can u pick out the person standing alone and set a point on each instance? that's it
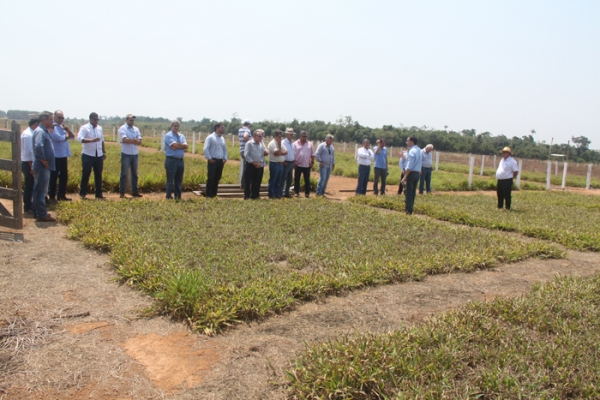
(506, 172)
(93, 155)
(215, 152)
(131, 138)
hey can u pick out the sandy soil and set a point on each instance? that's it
(70, 331)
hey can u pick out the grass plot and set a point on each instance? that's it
(215, 262)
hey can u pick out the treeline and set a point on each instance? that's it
(347, 130)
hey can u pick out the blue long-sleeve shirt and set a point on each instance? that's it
(60, 141)
(325, 154)
(43, 149)
(215, 147)
(414, 159)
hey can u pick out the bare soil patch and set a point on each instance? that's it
(70, 330)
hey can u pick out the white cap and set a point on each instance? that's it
(246, 121)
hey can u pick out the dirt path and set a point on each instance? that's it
(71, 332)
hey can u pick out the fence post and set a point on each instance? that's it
(345, 147)
(496, 166)
(548, 174)
(564, 181)
(193, 142)
(471, 167)
(162, 141)
(355, 150)
(437, 160)
(588, 181)
(556, 167)
(391, 152)
(154, 133)
(114, 134)
(519, 173)
(482, 164)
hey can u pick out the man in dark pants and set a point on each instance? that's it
(426, 169)
(215, 152)
(27, 158)
(412, 173)
(304, 159)
(288, 163)
(93, 155)
(175, 147)
(254, 156)
(506, 172)
(62, 151)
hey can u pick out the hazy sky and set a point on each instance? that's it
(499, 66)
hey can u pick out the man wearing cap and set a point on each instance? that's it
(175, 145)
(288, 162)
(60, 137)
(506, 172)
(131, 138)
(254, 155)
(27, 158)
(42, 166)
(426, 169)
(364, 156)
(304, 159)
(326, 158)
(244, 135)
(277, 155)
(215, 152)
(412, 172)
(93, 155)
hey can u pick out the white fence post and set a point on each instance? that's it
(564, 181)
(556, 167)
(162, 141)
(232, 141)
(114, 134)
(355, 150)
(437, 159)
(193, 142)
(548, 175)
(588, 181)
(471, 167)
(154, 133)
(391, 152)
(482, 164)
(496, 166)
(345, 146)
(519, 173)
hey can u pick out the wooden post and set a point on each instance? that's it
(518, 173)
(548, 175)
(588, 181)
(564, 181)
(482, 164)
(471, 167)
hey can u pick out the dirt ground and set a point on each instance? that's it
(69, 330)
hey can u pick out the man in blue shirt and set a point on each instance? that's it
(42, 166)
(175, 145)
(412, 172)
(215, 152)
(62, 151)
(326, 158)
(426, 169)
(402, 164)
(381, 167)
(131, 139)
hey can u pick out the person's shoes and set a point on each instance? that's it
(47, 218)
(100, 198)
(307, 196)
(287, 196)
(136, 195)
(51, 201)
(296, 194)
(64, 198)
(81, 197)
(121, 195)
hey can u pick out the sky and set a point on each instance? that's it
(500, 66)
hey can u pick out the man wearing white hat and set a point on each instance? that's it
(507, 171)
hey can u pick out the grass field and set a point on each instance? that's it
(540, 346)
(566, 218)
(215, 262)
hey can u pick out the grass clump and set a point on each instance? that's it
(215, 262)
(543, 345)
(566, 218)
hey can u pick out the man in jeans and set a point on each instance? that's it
(426, 169)
(276, 157)
(42, 166)
(304, 159)
(62, 151)
(27, 158)
(215, 152)
(175, 145)
(131, 138)
(288, 162)
(93, 155)
(326, 159)
(412, 173)
(381, 166)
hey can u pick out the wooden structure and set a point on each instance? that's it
(231, 191)
(14, 220)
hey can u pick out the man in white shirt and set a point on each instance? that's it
(288, 162)
(364, 156)
(27, 158)
(215, 152)
(506, 172)
(277, 155)
(93, 155)
(131, 138)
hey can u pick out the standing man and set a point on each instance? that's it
(277, 155)
(131, 139)
(288, 162)
(42, 166)
(381, 167)
(27, 158)
(175, 145)
(507, 171)
(364, 156)
(254, 155)
(62, 151)
(412, 172)
(402, 163)
(215, 152)
(326, 159)
(426, 169)
(304, 159)
(244, 135)
(93, 155)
